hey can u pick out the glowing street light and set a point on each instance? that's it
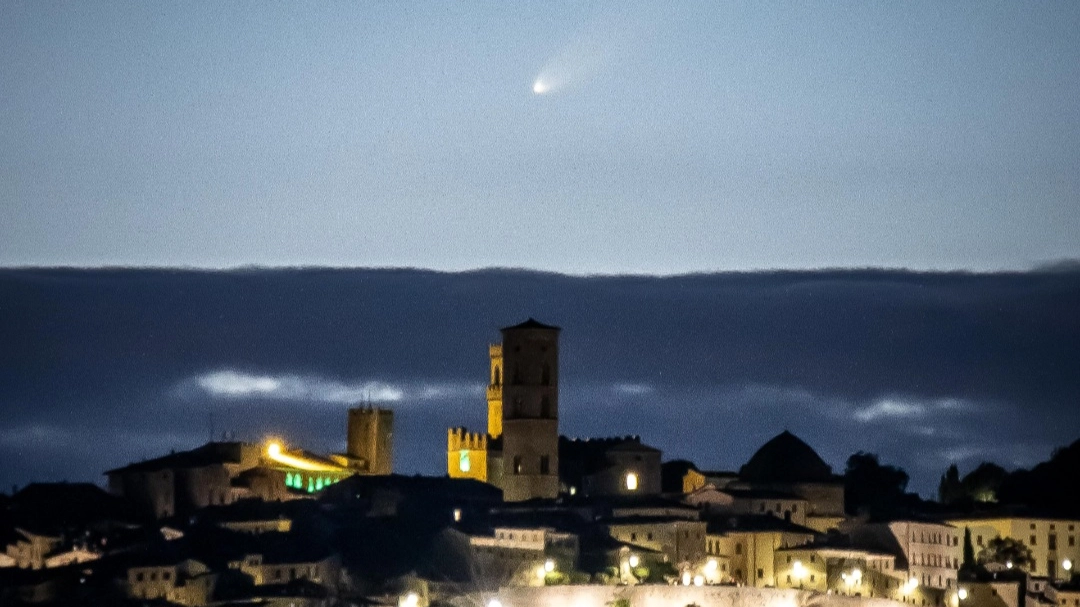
(686, 578)
(1008, 564)
(549, 566)
(634, 561)
(1066, 565)
(799, 571)
(494, 603)
(410, 600)
(710, 566)
(699, 580)
(962, 594)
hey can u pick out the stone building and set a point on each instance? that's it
(520, 451)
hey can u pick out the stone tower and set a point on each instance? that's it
(530, 411)
(495, 391)
(370, 446)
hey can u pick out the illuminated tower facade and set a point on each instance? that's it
(370, 444)
(530, 411)
(495, 391)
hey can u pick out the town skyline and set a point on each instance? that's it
(703, 367)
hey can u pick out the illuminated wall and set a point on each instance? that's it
(467, 455)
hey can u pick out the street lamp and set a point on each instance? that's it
(799, 572)
(962, 594)
(1066, 565)
(494, 603)
(549, 566)
(634, 560)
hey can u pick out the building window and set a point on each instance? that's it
(545, 375)
(545, 408)
(517, 464)
(760, 573)
(498, 377)
(631, 481)
(1032, 540)
(1051, 542)
(545, 464)
(738, 548)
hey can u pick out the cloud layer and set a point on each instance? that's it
(923, 369)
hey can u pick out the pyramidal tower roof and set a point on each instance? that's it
(786, 458)
(532, 323)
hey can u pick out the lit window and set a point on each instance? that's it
(463, 461)
(631, 482)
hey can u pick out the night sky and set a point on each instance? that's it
(99, 368)
(671, 137)
(698, 192)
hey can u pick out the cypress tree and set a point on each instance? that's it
(969, 550)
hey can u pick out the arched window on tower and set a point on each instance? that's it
(545, 375)
(497, 378)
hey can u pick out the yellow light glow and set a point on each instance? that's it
(1066, 565)
(549, 566)
(634, 560)
(710, 566)
(274, 452)
(686, 578)
(699, 580)
(961, 594)
(631, 482)
(798, 570)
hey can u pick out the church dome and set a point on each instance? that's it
(786, 459)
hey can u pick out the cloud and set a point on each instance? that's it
(890, 408)
(231, 384)
(632, 389)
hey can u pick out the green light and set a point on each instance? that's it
(288, 479)
(318, 484)
(310, 485)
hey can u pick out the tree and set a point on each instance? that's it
(969, 550)
(872, 488)
(949, 489)
(1006, 550)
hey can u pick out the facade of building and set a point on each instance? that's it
(746, 546)
(928, 551)
(680, 540)
(1052, 541)
(608, 466)
(523, 555)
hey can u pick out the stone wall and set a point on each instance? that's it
(667, 596)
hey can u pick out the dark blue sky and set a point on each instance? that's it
(671, 136)
(99, 368)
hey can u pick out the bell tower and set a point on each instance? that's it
(530, 410)
(495, 391)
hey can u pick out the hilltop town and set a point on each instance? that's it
(526, 516)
